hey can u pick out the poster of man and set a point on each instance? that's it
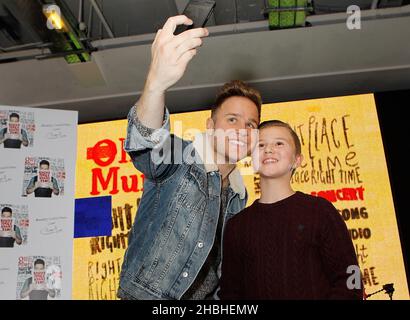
(9, 231)
(16, 129)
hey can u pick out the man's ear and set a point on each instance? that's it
(210, 124)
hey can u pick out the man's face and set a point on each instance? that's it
(235, 126)
(6, 214)
(39, 267)
(44, 167)
(275, 153)
(14, 119)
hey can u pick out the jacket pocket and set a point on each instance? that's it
(179, 229)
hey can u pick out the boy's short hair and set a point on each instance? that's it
(278, 123)
(237, 88)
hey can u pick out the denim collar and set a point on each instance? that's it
(206, 153)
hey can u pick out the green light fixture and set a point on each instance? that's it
(64, 34)
(288, 13)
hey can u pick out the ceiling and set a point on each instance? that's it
(323, 59)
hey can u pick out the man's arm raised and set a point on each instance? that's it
(170, 56)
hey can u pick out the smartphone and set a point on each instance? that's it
(199, 12)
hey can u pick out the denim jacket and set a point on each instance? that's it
(176, 221)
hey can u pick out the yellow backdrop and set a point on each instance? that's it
(344, 162)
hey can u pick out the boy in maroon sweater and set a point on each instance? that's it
(287, 244)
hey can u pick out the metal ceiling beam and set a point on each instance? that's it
(324, 60)
(102, 18)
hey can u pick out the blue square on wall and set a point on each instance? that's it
(92, 217)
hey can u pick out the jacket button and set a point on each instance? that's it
(184, 274)
(200, 244)
(212, 173)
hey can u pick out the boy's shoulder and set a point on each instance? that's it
(300, 202)
(314, 201)
(244, 214)
(320, 207)
(305, 198)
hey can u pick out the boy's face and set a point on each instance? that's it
(6, 214)
(275, 153)
(14, 119)
(234, 124)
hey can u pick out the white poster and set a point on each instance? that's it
(37, 171)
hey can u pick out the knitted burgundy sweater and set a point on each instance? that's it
(296, 248)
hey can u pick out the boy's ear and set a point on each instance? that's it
(298, 161)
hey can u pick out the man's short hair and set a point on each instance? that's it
(278, 123)
(39, 261)
(237, 88)
(44, 162)
(6, 209)
(14, 115)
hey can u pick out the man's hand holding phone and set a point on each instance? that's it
(170, 54)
